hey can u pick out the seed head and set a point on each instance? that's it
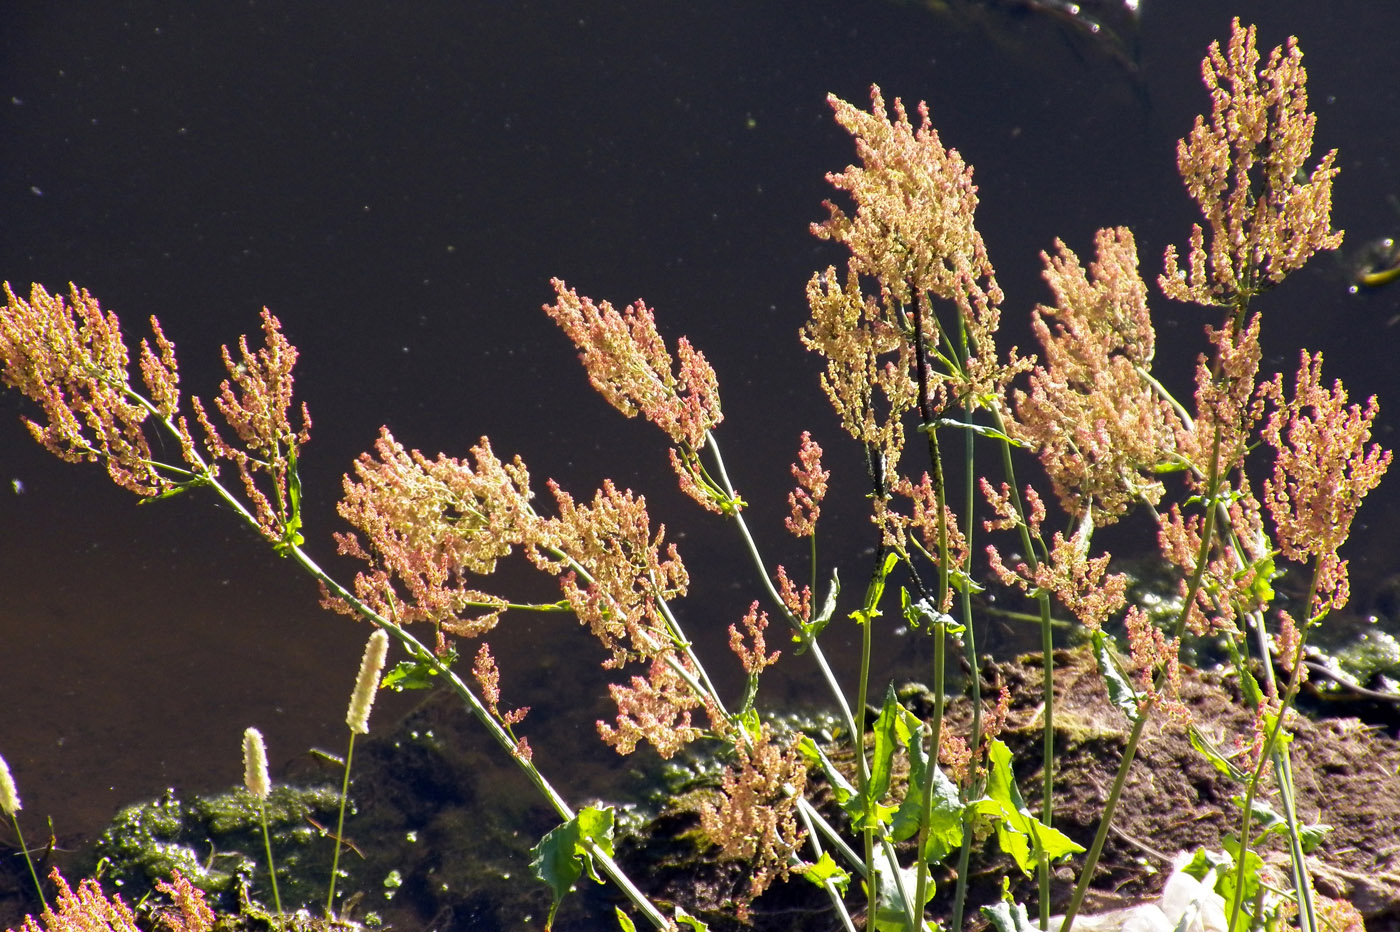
(9, 795)
(255, 764)
(367, 683)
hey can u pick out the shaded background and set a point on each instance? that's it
(398, 183)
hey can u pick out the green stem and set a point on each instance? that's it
(339, 831)
(38, 888)
(267, 846)
(1096, 848)
(1145, 708)
(757, 559)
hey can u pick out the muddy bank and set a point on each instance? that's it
(442, 828)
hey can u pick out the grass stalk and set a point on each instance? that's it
(340, 829)
(9, 803)
(258, 783)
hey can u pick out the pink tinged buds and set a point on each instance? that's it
(357, 717)
(255, 776)
(9, 795)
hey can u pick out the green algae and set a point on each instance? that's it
(216, 841)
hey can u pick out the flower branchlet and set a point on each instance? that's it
(427, 527)
(256, 401)
(755, 817)
(1323, 470)
(1156, 663)
(868, 364)
(1081, 583)
(805, 502)
(1098, 426)
(753, 655)
(655, 708)
(614, 572)
(628, 363)
(1245, 169)
(70, 359)
(488, 680)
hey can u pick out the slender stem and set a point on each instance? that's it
(752, 548)
(339, 830)
(38, 888)
(1145, 708)
(267, 846)
(1096, 848)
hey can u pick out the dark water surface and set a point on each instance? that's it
(398, 183)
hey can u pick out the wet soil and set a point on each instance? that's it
(1345, 771)
(442, 829)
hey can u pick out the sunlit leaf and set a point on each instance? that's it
(563, 855)
(827, 871)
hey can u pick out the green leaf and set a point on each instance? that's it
(875, 591)
(888, 737)
(1265, 818)
(684, 918)
(1311, 835)
(827, 871)
(176, 489)
(814, 627)
(962, 582)
(890, 914)
(1225, 883)
(815, 756)
(1203, 862)
(984, 431)
(1120, 692)
(625, 921)
(895, 728)
(416, 674)
(1261, 588)
(1269, 821)
(563, 854)
(921, 614)
(1008, 916)
(1021, 835)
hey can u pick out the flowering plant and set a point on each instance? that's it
(908, 334)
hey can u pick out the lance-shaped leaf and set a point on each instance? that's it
(1020, 834)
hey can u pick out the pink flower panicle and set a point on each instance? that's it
(914, 233)
(1322, 472)
(654, 708)
(868, 377)
(1007, 517)
(192, 912)
(1091, 414)
(1153, 653)
(69, 358)
(798, 602)
(805, 501)
(1244, 170)
(426, 527)
(756, 657)
(1081, 583)
(86, 908)
(924, 518)
(488, 680)
(255, 401)
(612, 569)
(628, 363)
(754, 818)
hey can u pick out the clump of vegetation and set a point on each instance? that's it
(908, 333)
